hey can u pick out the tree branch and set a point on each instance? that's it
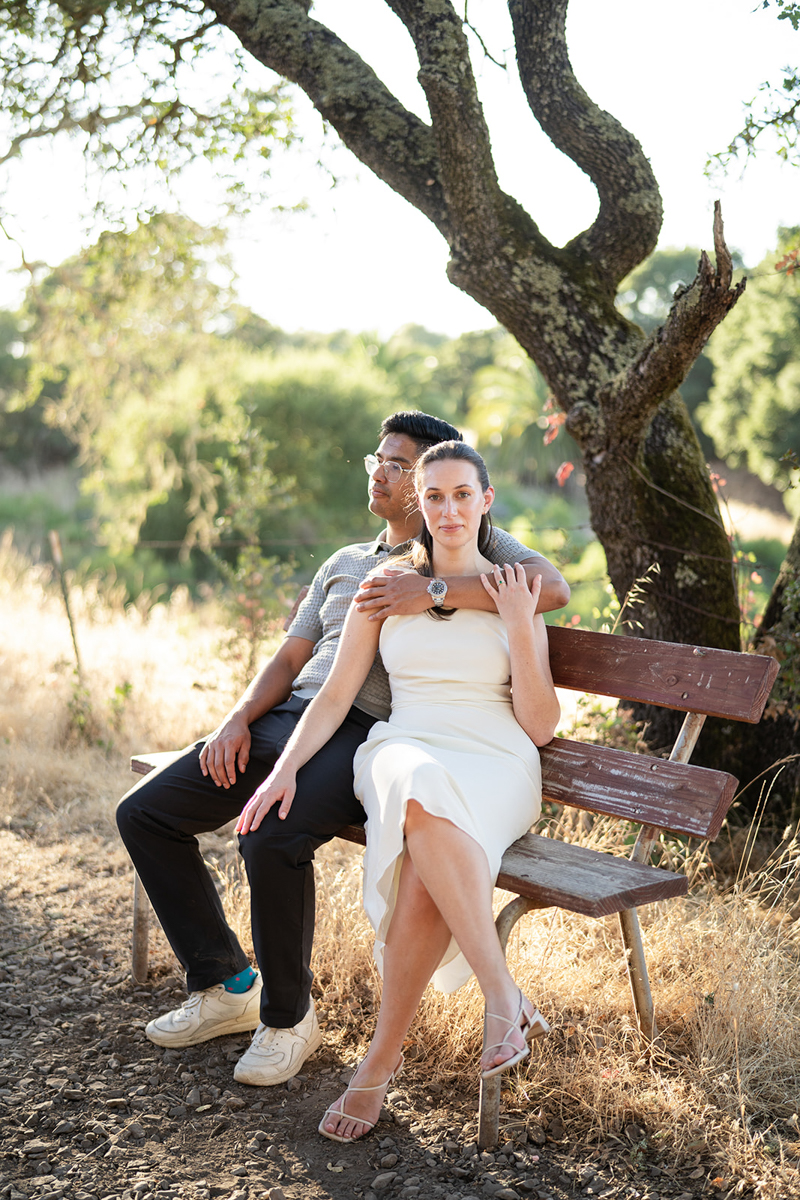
(390, 140)
(627, 226)
(669, 352)
(469, 178)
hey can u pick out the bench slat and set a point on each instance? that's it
(554, 873)
(719, 683)
(678, 797)
(582, 880)
(560, 874)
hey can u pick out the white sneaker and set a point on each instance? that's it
(207, 1014)
(276, 1055)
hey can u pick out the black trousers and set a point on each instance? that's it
(160, 817)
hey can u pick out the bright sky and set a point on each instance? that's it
(362, 258)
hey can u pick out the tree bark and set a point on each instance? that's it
(649, 493)
(770, 754)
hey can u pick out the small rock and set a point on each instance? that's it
(240, 1195)
(37, 1146)
(556, 1130)
(239, 1171)
(194, 1099)
(389, 1160)
(536, 1135)
(452, 1147)
(272, 1152)
(64, 1127)
(506, 1193)
(235, 1102)
(135, 1130)
(384, 1180)
(276, 1193)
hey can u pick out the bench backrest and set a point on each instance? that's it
(673, 796)
(718, 683)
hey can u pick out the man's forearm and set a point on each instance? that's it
(467, 591)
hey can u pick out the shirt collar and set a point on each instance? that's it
(380, 545)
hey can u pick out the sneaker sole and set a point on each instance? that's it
(254, 1078)
(177, 1041)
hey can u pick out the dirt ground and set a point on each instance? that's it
(92, 1110)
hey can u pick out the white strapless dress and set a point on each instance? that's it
(452, 743)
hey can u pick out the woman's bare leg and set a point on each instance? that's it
(444, 886)
(454, 869)
(416, 941)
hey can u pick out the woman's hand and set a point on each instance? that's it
(277, 788)
(515, 600)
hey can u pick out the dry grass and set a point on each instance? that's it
(152, 682)
(723, 1081)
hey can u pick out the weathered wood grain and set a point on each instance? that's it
(675, 796)
(582, 880)
(720, 683)
(556, 873)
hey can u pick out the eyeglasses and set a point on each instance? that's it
(392, 470)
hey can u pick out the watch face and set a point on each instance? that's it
(438, 589)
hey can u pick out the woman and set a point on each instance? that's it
(448, 783)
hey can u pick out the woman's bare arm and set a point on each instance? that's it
(354, 657)
(533, 695)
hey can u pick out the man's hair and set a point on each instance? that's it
(421, 428)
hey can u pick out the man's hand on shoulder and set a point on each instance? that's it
(393, 593)
(227, 748)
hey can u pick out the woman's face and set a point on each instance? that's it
(452, 501)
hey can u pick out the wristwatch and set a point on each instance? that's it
(438, 589)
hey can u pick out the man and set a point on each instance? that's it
(210, 782)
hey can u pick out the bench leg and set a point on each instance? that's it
(637, 973)
(140, 948)
(489, 1104)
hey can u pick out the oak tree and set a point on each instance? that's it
(647, 485)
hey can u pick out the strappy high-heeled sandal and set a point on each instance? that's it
(339, 1111)
(530, 1027)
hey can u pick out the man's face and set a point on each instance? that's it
(393, 502)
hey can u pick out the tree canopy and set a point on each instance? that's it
(144, 84)
(776, 107)
(753, 408)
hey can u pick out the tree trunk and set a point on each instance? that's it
(767, 757)
(649, 494)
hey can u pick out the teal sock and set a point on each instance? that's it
(241, 982)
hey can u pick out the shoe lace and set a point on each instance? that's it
(192, 1001)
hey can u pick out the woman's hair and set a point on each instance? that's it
(421, 553)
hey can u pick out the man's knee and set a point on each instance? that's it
(124, 814)
(274, 844)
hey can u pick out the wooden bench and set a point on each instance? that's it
(658, 795)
